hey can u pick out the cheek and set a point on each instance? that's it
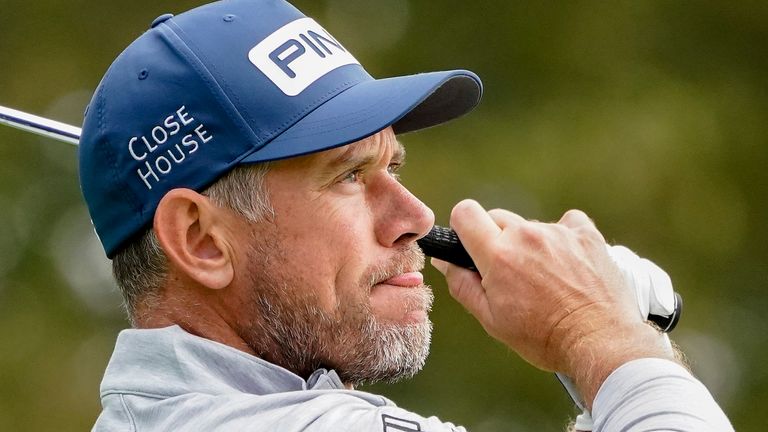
(329, 258)
(329, 243)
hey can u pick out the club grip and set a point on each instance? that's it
(443, 243)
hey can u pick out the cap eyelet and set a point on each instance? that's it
(143, 74)
(229, 18)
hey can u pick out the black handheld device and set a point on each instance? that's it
(443, 243)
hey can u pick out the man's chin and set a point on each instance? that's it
(396, 352)
(405, 318)
(416, 316)
(397, 305)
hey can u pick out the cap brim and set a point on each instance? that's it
(407, 103)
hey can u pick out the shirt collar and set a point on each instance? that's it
(170, 362)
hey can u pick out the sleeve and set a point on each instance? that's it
(655, 394)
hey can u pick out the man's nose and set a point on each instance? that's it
(401, 218)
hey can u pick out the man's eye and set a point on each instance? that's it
(352, 177)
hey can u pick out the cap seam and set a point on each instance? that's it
(203, 71)
(219, 80)
(110, 156)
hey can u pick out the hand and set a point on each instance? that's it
(550, 292)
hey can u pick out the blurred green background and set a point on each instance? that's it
(649, 115)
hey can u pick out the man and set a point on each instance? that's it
(240, 168)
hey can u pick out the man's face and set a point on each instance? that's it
(333, 279)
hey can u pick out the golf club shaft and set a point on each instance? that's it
(40, 125)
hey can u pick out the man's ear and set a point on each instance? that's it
(192, 234)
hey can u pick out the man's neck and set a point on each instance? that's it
(196, 317)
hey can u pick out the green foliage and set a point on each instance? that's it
(649, 115)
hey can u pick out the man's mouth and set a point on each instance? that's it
(409, 279)
(402, 298)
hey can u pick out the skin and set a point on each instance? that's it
(341, 245)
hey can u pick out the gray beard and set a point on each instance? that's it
(287, 327)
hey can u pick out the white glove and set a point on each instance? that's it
(651, 284)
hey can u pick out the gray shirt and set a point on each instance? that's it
(169, 380)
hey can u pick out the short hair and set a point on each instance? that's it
(141, 267)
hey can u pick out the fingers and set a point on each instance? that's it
(475, 228)
(577, 220)
(470, 218)
(505, 218)
(478, 228)
(464, 285)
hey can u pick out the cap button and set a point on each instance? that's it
(161, 19)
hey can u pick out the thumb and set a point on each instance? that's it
(465, 286)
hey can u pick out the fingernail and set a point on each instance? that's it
(440, 265)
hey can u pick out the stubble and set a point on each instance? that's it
(287, 325)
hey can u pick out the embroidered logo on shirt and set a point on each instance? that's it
(392, 424)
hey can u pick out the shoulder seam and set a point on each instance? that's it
(121, 393)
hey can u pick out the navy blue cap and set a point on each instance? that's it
(234, 82)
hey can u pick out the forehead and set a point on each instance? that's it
(380, 143)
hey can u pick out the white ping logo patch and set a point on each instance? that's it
(298, 54)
